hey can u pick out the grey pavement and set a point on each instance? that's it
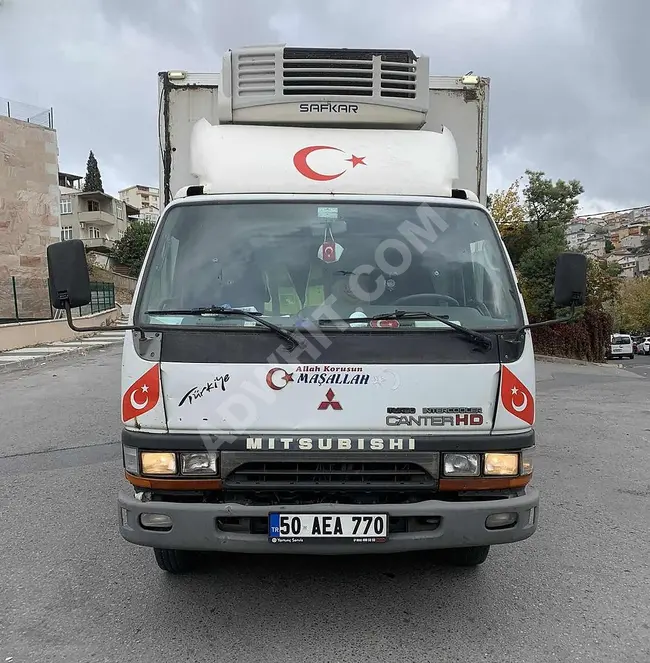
(73, 591)
(11, 360)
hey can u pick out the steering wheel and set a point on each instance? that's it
(480, 307)
(426, 299)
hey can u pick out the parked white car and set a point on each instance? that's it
(643, 347)
(621, 346)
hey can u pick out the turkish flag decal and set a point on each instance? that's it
(515, 396)
(142, 395)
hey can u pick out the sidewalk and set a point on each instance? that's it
(23, 357)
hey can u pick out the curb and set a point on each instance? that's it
(29, 362)
(575, 362)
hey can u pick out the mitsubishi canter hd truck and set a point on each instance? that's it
(328, 351)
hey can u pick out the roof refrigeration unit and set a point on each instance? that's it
(327, 87)
(337, 88)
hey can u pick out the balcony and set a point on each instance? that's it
(98, 243)
(97, 218)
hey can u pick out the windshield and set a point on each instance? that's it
(621, 340)
(298, 262)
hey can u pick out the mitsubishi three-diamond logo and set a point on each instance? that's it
(330, 402)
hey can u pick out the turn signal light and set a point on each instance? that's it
(527, 460)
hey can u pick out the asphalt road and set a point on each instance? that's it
(639, 365)
(72, 590)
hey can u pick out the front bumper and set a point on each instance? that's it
(195, 526)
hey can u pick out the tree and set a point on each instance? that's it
(550, 207)
(551, 204)
(533, 225)
(93, 180)
(635, 305)
(609, 246)
(603, 285)
(131, 249)
(506, 207)
(510, 216)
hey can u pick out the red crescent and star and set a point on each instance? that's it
(300, 162)
(287, 377)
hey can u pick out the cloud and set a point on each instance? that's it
(567, 76)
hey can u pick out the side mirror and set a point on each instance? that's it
(570, 280)
(68, 272)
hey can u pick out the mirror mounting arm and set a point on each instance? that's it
(68, 315)
(520, 332)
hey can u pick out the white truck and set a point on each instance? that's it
(329, 350)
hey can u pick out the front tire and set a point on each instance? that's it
(466, 557)
(174, 561)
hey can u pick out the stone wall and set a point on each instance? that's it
(29, 215)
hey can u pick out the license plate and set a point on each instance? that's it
(618, 349)
(298, 528)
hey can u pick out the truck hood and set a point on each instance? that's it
(396, 400)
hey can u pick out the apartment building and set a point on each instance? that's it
(631, 241)
(95, 217)
(145, 198)
(29, 211)
(578, 237)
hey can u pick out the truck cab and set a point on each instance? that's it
(329, 352)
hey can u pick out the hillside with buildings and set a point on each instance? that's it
(621, 237)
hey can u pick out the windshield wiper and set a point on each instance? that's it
(226, 310)
(476, 337)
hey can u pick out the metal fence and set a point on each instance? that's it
(27, 113)
(28, 300)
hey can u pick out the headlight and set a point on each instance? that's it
(497, 464)
(461, 465)
(130, 459)
(154, 462)
(203, 462)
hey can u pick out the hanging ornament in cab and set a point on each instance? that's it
(329, 251)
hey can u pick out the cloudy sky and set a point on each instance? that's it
(569, 92)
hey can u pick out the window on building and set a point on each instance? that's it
(119, 209)
(94, 232)
(66, 206)
(66, 233)
(93, 206)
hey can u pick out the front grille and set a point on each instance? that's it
(349, 72)
(329, 475)
(387, 55)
